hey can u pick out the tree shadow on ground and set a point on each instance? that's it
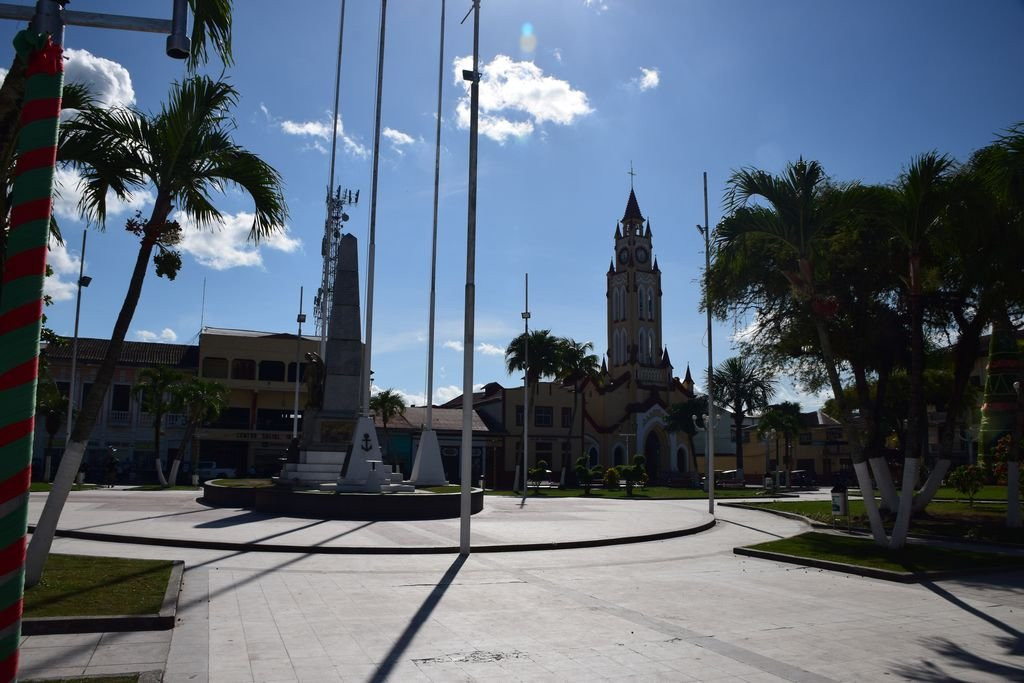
(1012, 645)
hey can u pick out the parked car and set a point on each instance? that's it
(208, 469)
(801, 479)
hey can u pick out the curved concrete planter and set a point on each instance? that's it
(356, 506)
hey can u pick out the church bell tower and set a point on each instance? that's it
(634, 295)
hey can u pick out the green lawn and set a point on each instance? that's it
(440, 489)
(45, 487)
(950, 493)
(983, 522)
(79, 585)
(864, 553)
(650, 492)
(243, 483)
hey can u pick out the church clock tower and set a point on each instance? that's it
(634, 296)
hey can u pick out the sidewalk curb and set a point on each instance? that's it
(161, 621)
(370, 550)
(870, 572)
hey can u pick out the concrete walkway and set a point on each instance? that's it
(683, 609)
(177, 516)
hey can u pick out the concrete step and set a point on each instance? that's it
(322, 457)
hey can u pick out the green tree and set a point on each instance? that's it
(387, 405)
(200, 401)
(687, 418)
(154, 389)
(968, 480)
(538, 474)
(183, 153)
(777, 225)
(53, 407)
(540, 355)
(743, 387)
(781, 419)
(577, 366)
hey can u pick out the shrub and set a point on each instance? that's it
(968, 480)
(631, 473)
(584, 475)
(538, 473)
(611, 479)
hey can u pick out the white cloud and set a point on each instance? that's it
(557, 54)
(109, 81)
(454, 345)
(598, 6)
(398, 139)
(61, 285)
(647, 80)
(166, 335)
(515, 97)
(323, 130)
(445, 394)
(410, 399)
(3, 75)
(69, 191)
(226, 246)
(490, 349)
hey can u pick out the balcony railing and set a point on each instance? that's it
(120, 417)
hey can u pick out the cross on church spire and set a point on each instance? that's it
(631, 174)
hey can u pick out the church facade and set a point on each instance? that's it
(621, 412)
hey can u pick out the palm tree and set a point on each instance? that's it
(201, 401)
(576, 365)
(387, 405)
(52, 405)
(687, 418)
(542, 352)
(154, 388)
(796, 213)
(781, 419)
(743, 388)
(183, 152)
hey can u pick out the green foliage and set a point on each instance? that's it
(544, 355)
(611, 479)
(538, 474)
(968, 480)
(584, 475)
(633, 472)
(687, 417)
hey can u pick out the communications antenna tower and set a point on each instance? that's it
(333, 226)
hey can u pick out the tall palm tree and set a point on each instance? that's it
(154, 388)
(201, 401)
(576, 365)
(387, 405)
(797, 212)
(539, 356)
(781, 419)
(182, 153)
(744, 388)
(52, 405)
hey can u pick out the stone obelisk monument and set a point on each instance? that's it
(333, 382)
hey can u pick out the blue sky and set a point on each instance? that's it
(673, 87)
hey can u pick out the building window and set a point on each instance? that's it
(232, 418)
(271, 371)
(650, 305)
(639, 302)
(121, 397)
(243, 368)
(834, 434)
(519, 416)
(215, 367)
(274, 419)
(566, 416)
(64, 388)
(543, 416)
(592, 456)
(805, 438)
(291, 372)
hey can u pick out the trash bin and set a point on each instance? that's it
(840, 501)
(768, 482)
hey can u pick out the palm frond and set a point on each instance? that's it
(211, 21)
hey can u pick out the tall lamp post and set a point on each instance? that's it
(526, 384)
(83, 281)
(710, 422)
(300, 318)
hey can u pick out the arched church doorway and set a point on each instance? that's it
(619, 456)
(592, 457)
(652, 453)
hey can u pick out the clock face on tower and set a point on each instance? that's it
(624, 255)
(641, 255)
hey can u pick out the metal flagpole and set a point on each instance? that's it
(711, 400)
(466, 471)
(300, 318)
(74, 344)
(433, 249)
(368, 341)
(526, 382)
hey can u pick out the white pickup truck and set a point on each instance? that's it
(208, 469)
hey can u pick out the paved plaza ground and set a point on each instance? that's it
(681, 609)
